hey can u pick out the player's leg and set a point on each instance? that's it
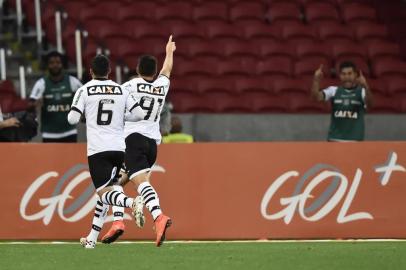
(97, 224)
(118, 226)
(139, 158)
(104, 168)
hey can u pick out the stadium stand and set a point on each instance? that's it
(232, 47)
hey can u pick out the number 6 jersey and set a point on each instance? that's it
(103, 103)
(151, 96)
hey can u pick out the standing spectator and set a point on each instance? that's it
(176, 135)
(349, 101)
(56, 91)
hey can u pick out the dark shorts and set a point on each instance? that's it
(140, 154)
(105, 167)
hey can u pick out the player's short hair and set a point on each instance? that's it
(100, 65)
(147, 65)
(347, 64)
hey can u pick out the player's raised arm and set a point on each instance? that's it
(316, 93)
(368, 95)
(168, 63)
(77, 108)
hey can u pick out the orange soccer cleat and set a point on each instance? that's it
(116, 230)
(161, 224)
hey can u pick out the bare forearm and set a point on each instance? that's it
(168, 64)
(316, 94)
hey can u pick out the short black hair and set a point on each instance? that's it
(52, 54)
(100, 65)
(147, 65)
(347, 64)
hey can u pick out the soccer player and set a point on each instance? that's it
(142, 139)
(103, 103)
(349, 101)
(56, 91)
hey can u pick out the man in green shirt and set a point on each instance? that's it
(349, 101)
(56, 91)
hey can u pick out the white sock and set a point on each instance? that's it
(100, 214)
(118, 211)
(150, 198)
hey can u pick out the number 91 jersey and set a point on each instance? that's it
(151, 96)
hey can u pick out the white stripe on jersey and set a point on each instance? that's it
(152, 98)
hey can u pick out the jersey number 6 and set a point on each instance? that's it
(104, 116)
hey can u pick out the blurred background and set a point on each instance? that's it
(243, 68)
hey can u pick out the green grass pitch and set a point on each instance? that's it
(216, 255)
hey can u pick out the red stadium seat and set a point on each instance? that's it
(141, 11)
(291, 87)
(217, 85)
(265, 103)
(281, 14)
(314, 49)
(383, 49)
(262, 31)
(368, 32)
(224, 32)
(73, 9)
(249, 11)
(306, 3)
(99, 29)
(184, 85)
(206, 48)
(334, 32)
(384, 104)
(152, 31)
(305, 104)
(193, 68)
(389, 68)
(187, 32)
(321, 13)
(277, 49)
(349, 49)
(230, 104)
(241, 49)
(358, 13)
(275, 66)
(186, 103)
(104, 11)
(211, 12)
(397, 87)
(181, 12)
(7, 88)
(379, 86)
(253, 85)
(298, 33)
(232, 68)
(307, 67)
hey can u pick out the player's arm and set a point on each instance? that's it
(168, 63)
(77, 108)
(368, 94)
(315, 91)
(36, 93)
(134, 112)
